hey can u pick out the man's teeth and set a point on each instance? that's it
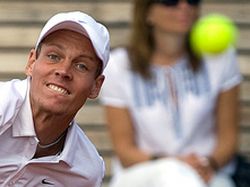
(58, 89)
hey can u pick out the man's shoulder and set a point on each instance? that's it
(79, 151)
(83, 141)
(83, 150)
(12, 97)
(16, 86)
(12, 93)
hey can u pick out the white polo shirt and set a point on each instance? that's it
(78, 165)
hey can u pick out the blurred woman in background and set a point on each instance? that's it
(162, 101)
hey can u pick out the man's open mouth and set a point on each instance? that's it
(58, 89)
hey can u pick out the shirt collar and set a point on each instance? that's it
(23, 125)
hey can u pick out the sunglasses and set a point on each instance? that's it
(175, 2)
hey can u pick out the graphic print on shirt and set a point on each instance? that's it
(170, 86)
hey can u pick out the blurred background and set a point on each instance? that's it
(21, 21)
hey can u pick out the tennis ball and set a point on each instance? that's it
(212, 34)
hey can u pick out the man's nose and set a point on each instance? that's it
(64, 71)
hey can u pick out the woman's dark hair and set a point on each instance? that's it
(142, 43)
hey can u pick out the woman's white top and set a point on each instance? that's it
(173, 113)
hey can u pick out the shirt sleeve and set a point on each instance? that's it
(113, 91)
(231, 74)
(225, 68)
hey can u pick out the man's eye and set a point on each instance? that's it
(54, 57)
(81, 67)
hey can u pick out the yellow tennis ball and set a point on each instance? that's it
(213, 34)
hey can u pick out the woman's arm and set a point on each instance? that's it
(227, 127)
(227, 111)
(123, 136)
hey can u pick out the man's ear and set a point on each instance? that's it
(96, 87)
(30, 63)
